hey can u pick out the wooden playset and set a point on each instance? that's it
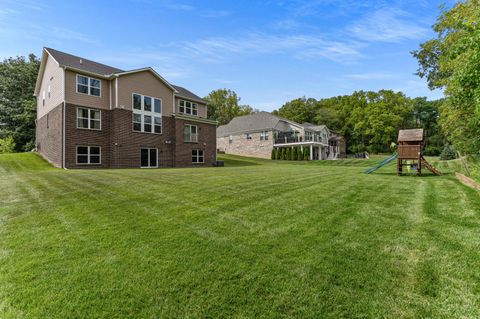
(410, 147)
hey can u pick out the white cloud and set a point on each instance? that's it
(388, 25)
(370, 76)
(300, 46)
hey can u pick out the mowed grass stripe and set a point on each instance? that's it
(262, 240)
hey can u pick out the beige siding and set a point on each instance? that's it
(239, 145)
(71, 95)
(53, 77)
(202, 108)
(147, 84)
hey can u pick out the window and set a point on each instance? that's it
(145, 118)
(230, 139)
(190, 133)
(88, 155)
(264, 136)
(88, 119)
(87, 85)
(43, 98)
(187, 107)
(248, 136)
(149, 157)
(197, 156)
(49, 91)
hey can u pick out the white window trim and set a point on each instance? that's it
(185, 107)
(88, 155)
(151, 113)
(149, 149)
(264, 136)
(198, 156)
(196, 134)
(88, 91)
(89, 119)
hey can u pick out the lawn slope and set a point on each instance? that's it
(253, 239)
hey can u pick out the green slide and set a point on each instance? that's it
(383, 163)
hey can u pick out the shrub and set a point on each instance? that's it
(299, 154)
(283, 156)
(448, 153)
(432, 150)
(288, 154)
(306, 154)
(294, 154)
(273, 156)
(7, 145)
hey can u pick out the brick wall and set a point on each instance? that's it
(49, 130)
(120, 145)
(241, 146)
(126, 143)
(206, 142)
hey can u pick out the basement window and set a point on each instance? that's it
(197, 156)
(149, 158)
(88, 155)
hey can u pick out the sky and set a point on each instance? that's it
(267, 51)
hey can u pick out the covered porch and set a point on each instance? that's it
(316, 150)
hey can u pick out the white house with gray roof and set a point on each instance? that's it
(257, 134)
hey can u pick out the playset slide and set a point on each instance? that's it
(383, 163)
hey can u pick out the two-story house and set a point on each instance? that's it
(93, 115)
(258, 133)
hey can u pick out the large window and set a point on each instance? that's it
(88, 119)
(264, 136)
(187, 107)
(88, 155)
(197, 156)
(147, 114)
(149, 157)
(88, 85)
(190, 133)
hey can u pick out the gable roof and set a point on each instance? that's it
(79, 63)
(74, 62)
(253, 122)
(412, 135)
(186, 94)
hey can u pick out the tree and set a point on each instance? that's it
(223, 105)
(451, 61)
(17, 103)
(288, 154)
(299, 110)
(7, 145)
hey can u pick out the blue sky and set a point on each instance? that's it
(268, 51)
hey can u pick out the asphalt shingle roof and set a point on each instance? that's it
(183, 92)
(73, 61)
(248, 123)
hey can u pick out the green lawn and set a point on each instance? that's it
(253, 239)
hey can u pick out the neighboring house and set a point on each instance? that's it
(257, 134)
(93, 115)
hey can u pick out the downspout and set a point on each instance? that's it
(63, 117)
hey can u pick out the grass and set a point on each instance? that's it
(253, 239)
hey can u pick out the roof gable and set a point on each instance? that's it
(186, 94)
(148, 69)
(79, 63)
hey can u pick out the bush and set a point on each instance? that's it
(283, 155)
(299, 154)
(306, 154)
(448, 153)
(432, 150)
(289, 154)
(273, 156)
(294, 154)
(7, 145)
